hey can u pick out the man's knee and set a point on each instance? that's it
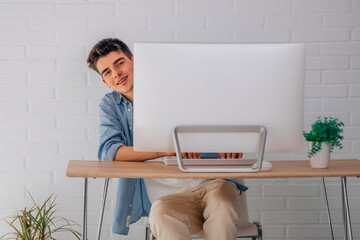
(158, 210)
(223, 200)
(163, 209)
(167, 222)
(226, 192)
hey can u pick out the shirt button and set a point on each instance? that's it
(135, 185)
(130, 205)
(130, 128)
(129, 110)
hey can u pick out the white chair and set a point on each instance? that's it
(247, 229)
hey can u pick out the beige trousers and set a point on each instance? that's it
(213, 206)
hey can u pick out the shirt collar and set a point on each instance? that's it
(120, 98)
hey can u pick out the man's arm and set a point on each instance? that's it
(126, 153)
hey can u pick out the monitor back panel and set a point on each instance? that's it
(218, 84)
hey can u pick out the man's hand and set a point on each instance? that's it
(190, 155)
(163, 154)
(230, 155)
(185, 155)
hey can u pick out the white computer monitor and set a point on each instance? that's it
(218, 84)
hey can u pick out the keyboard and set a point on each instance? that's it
(172, 161)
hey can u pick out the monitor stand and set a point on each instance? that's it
(235, 128)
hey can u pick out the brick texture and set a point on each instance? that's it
(49, 98)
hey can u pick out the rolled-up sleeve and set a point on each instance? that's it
(111, 133)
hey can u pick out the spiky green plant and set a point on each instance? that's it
(39, 223)
(325, 129)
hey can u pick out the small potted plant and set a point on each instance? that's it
(39, 223)
(325, 134)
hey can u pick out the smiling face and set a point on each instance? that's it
(116, 70)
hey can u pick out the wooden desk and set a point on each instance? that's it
(281, 169)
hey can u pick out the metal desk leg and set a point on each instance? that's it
(346, 210)
(84, 231)
(106, 184)
(343, 211)
(328, 209)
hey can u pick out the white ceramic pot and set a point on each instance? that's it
(322, 158)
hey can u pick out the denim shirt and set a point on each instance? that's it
(116, 130)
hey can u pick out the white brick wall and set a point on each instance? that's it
(49, 99)
(27, 9)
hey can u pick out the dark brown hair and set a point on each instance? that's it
(103, 48)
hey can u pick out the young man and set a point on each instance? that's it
(180, 207)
